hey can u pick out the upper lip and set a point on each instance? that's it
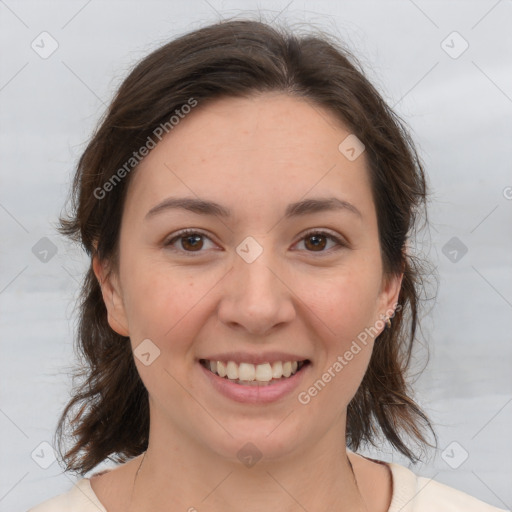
(244, 357)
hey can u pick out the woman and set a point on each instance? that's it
(251, 304)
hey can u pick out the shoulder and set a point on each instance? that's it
(412, 493)
(80, 498)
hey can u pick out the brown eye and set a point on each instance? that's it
(188, 241)
(318, 242)
(191, 242)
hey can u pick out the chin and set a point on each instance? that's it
(269, 438)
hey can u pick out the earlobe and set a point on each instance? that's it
(390, 293)
(112, 298)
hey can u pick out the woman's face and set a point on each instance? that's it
(263, 284)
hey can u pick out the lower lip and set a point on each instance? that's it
(255, 394)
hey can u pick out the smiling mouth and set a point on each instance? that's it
(249, 374)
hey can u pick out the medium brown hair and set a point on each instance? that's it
(108, 414)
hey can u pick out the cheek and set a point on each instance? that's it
(162, 304)
(345, 302)
(166, 309)
(345, 306)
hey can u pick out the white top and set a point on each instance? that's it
(411, 493)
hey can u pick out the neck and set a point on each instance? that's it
(175, 470)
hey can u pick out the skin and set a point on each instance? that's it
(255, 156)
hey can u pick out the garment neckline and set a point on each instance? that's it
(403, 482)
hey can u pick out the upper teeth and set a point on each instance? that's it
(248, 371)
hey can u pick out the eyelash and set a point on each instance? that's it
(187, 232)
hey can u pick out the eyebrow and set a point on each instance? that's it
(205, 207)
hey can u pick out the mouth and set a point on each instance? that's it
(248, 374)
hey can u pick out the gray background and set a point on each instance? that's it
(459, 108)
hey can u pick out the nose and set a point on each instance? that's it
(256, 297)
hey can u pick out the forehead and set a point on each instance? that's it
(265, 146)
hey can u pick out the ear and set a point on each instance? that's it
(389, 293)
(112, 297)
